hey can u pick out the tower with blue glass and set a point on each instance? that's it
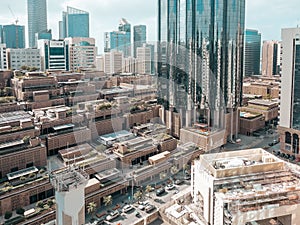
(139, 37)
(200, 60)
(75, 23)
(119, 40)
(14, 36)
(252, 52)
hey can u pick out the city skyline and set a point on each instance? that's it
(104, 16)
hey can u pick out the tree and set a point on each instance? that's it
(162, 176)
(107, 200)
(148, 189)
(138, 195)
(91, 208)
(174, 170)
(185, 167)
(7, 214)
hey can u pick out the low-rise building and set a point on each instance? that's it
(245, 187)
(250, 122)
(29, 57)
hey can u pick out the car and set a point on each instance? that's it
(137, 214)
(141, 207)
(176, 192)
(113, 215)
(187, 177)
(127, 208)
(178, 182)
(160, 191)
(170, 187)
(149, 208)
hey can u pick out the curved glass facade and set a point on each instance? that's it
(201, 49)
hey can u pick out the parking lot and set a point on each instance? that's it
(138, 211)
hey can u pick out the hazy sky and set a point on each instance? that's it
(268, 16)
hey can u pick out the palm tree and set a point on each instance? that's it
(174, 170)
(138, 195)
(91, 208)
(185, 167)
(148, 189)
(107, 200)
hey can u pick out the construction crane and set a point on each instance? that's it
(12, 13)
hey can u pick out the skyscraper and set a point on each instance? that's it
(143, 59)
(200, 58)
(119, 40)
(75, 23)
(14, 36)
(270, 62)
(139, 37)
(289, 119)
(37, 19)
(252, 52)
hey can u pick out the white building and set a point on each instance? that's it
(54, 55)
(69, 186)
(29, 57)
(143, 60)
(113, 62)
(82, 52)
(129, 65)
(3, 61)
(246, 187)
(100, 62)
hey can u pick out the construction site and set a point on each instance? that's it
(248, 187)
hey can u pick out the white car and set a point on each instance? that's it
(141, 207)
(112, 215)
(170, 187)
(127, 208)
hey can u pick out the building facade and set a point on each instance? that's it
(29, 57)
(252, 52)
(75, 23)
(14, 36)
(113, 62)
(270, 62)
(37, 19)
(82, 52)
(54, 55)
(200, 46)
(119, 40)
(143, 60)
(289, 114)
(3, 60)
(139, 37)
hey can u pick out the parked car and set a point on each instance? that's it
(112, 215)
(178, 182)
(187, 177)
(137, 214)
(149, 208)
(170, 187)
(141, 207)
(127, 208)
(160, 191)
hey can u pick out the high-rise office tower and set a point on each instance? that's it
(37, 19)
(75, 23)
(139, 37)
(14, 36)
(1, 34)
(289, 118)
(143, 59)
(200, 60)
(119, 40)
(270, 62)
(252, 52)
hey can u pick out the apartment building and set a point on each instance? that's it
(16, 58)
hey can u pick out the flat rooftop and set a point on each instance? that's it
(116, 135)
(237, 163)
(17, 116)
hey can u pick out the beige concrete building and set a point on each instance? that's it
(246, 187)
(270, 58)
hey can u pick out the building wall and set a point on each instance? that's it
(23, 57)
(248, 126)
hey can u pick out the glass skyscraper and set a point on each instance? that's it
(200, 58)
(37, 19)
(119, 40)
(139, 37)
(14, 36)
(75, 23)
(252, 52)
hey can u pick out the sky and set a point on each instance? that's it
(267, 16)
